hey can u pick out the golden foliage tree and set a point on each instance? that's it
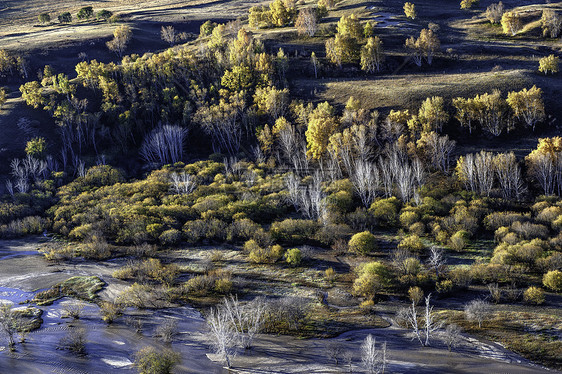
(527, 105)
(321, 124)
(372, 55)
(511, 23)
(549, 64)
(410, 10)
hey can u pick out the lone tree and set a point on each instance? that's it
(373, 358)
(307, 22)
(410, 10)
(85, 13)
(168, 34)
(511, 23)
(468, 4)
(121, 37)
(549, 64)
(65, 17)
(494, 12)
(477, 311)
(372, 55)
(44, 18)
(104, 15)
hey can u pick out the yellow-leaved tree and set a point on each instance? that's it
(321, 124)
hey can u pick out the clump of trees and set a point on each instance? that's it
(551, 23)
(424, 46)
(410, 10)
(469, 4)
(279, 13)
(494, 12)
(549, 64)
(511, 22)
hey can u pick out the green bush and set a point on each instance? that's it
(294, 231)
(44, 18)
(371, 278)
(103, 15)
(293, 257)
(408, 218)
(363, 242)
(553, 280)
(534, 295)
(170, 237)
(262, 255)
(459, 240)
(65, 17)
(85, 12)
(412, 243)
(150, 360)
(385, 211)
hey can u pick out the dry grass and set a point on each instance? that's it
(407, 91)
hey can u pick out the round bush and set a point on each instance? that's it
(412, 243)
(553, 280)
(170, 237)
(293, 257)
(363, 242)
(534, 295)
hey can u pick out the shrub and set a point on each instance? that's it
(408, 218)
(549, 64)
(385, 211)
(444, 287)
(530, 230)
(412, 243)
(294, 231)
(85, 12)
(330, 275)
(330, 233)
(110, 311)
(553, 280)
(459, 240)
(65, 17)
(372, 278)
(363, 243)
(533, 295)
(170, 237)
(44, 18)
(496, 220)
(104, 15)
(468, 4)
(293, 257)
(415, 294)
(150, 360)
(262, 255)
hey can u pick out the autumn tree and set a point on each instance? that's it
(549, 64)
(3, 97)
(31, 93)
(465, 112)
(372, 55)
(491, 112)
(307, 22)
(321, 124)
(511, 23)
(544, 165)
(410, 10)
(121, 37)
(468, 4)
(350, 26)
(551, 23)
(495, 12)
(527, 105)
(432, 114)
(426, 45)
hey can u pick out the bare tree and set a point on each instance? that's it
(373, 358)
(484, 166)
(495, 12)
(477, 310)
(439, 149)
(452, 336)
(551, 23)
(430, 325)
(168, 34)
(366, 181)
(182, 183)
(167, 330)
(334, 349)
(8, 324)
(436, 261)
(164, 145)
(508, 174)
(247, 319)
(223, 334)
(411, 316)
